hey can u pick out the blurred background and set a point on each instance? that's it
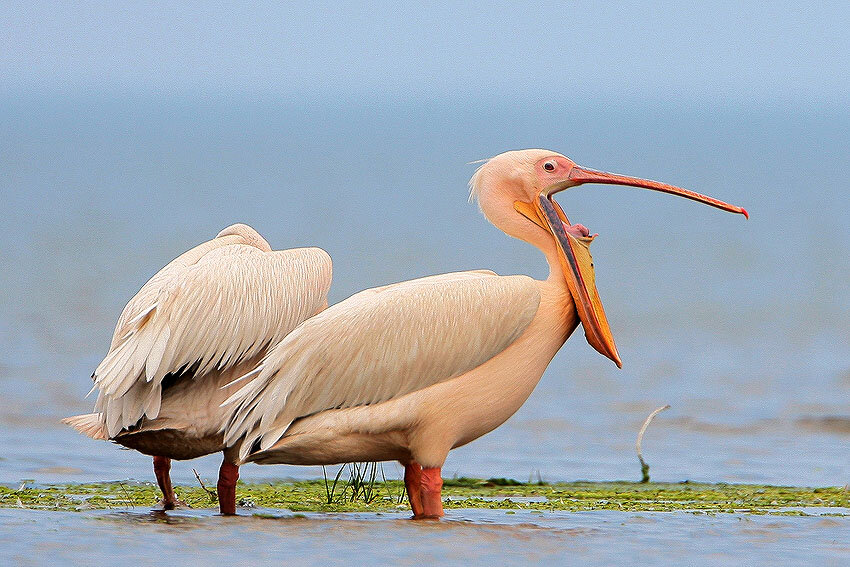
(131, 132)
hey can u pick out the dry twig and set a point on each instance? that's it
(212, 493)
(644, 468)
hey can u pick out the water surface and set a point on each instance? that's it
(740, 326)
(469, 537)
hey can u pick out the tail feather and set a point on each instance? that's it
(89, 424)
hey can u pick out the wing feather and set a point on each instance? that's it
(381, 344)
(157, 351)
(212, 307)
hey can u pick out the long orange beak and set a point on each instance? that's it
(579, 175)
(576, 261)
(577, 265)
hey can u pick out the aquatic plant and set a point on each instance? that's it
(644, 466)
(381, 495)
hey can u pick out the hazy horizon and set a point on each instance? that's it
(783, 55)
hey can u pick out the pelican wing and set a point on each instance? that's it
(380, 344)
(219, 303)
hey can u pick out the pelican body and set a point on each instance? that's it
(412, 370)
(206, 318)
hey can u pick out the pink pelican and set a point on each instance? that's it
(209, 316)
(412, 370)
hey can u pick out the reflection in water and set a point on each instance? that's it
(471, 537)
(149, 516)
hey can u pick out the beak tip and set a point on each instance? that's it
(614, 356)
(745, 213)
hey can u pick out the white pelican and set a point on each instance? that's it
(412, 370)
(206, 318)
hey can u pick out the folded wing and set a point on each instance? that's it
(381, 344)
(219, 303)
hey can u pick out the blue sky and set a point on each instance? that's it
(736, 53)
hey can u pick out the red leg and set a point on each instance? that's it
(161, 468)
(432, 486)
(228, 474)
(413, 483)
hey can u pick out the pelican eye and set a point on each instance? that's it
(549, 166)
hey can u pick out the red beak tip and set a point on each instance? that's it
(745, 213)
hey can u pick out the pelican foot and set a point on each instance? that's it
(424, 517)
(164, 504)
(228, 475)
(412, 484)
(431, 487)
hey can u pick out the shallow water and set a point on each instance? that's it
(741, 326)
(468, 537)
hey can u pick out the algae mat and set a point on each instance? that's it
(504, 494)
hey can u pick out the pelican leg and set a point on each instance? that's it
(431, 489)
(228, 474)
(413, 484)
(162, 468)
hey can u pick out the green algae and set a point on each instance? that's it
(502, 494)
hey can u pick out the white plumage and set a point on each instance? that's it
(220, 303)
(406, 372)
(381, 344)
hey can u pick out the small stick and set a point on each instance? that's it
(644, 468)
(130, 502)
(212, 494)
(327, 488)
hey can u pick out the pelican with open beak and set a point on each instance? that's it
(412, 370)
(573, 241)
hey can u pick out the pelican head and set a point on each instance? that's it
(514, 191)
